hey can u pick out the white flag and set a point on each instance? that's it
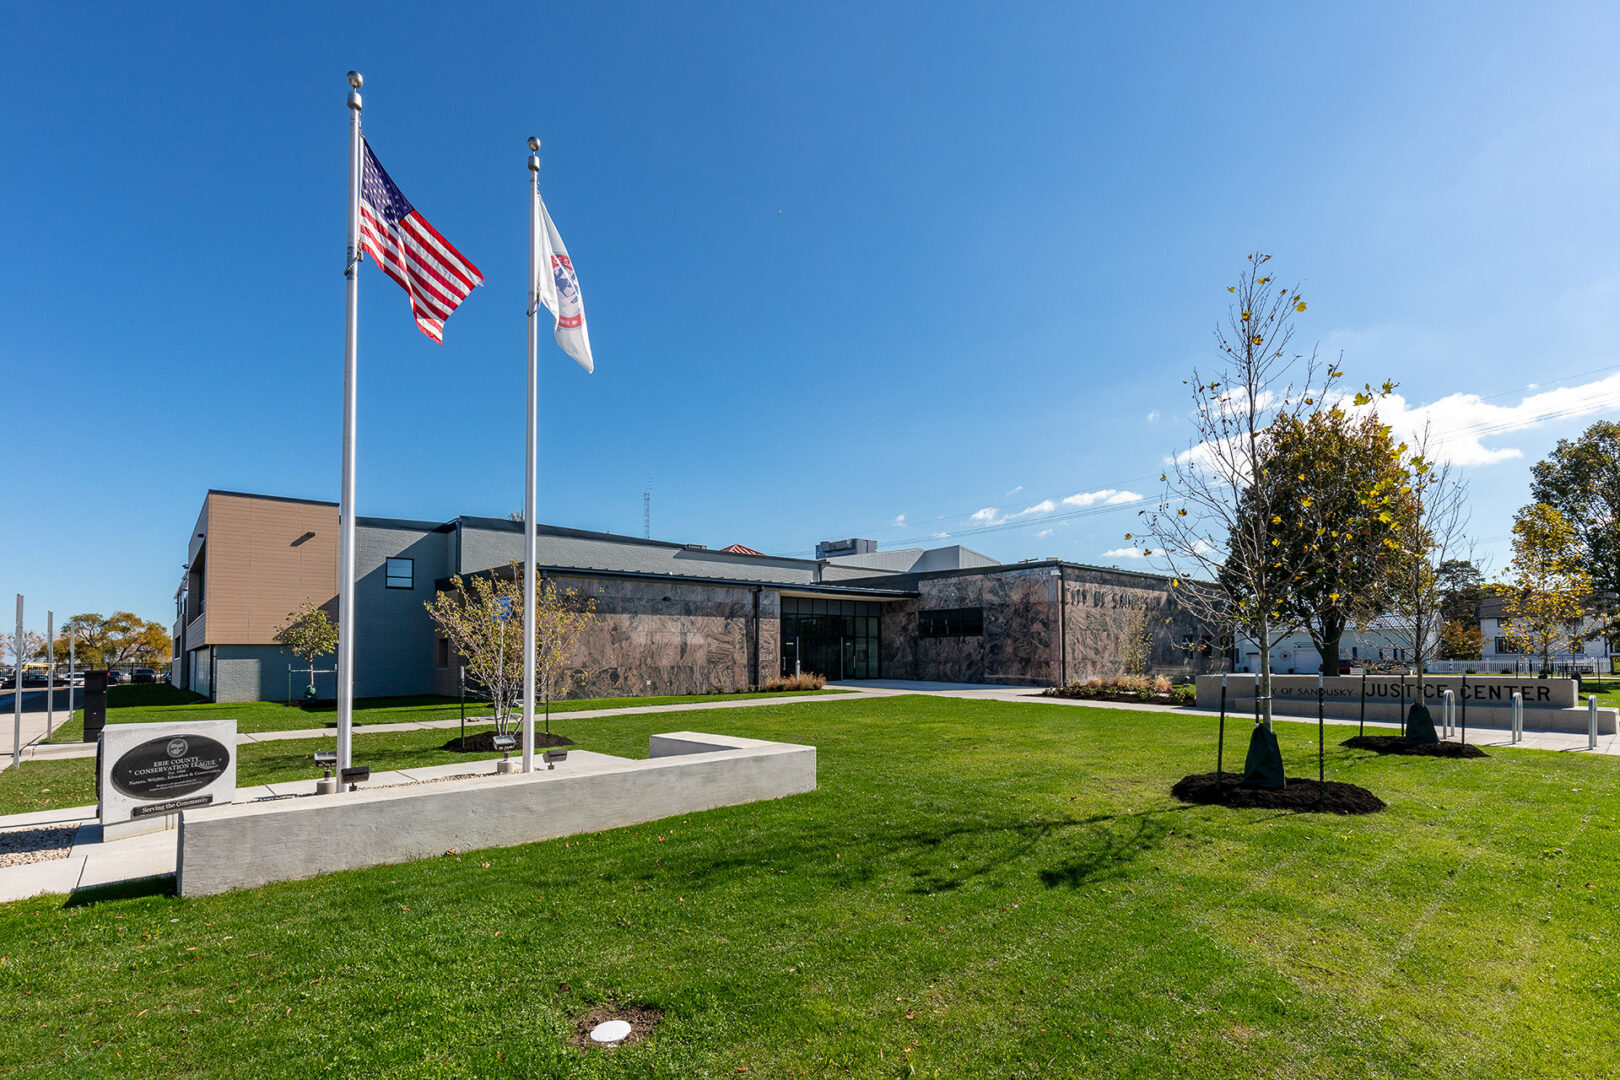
(558, 289)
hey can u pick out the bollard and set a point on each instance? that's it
(1518, 718)
(1447, 713)
(1591, 722)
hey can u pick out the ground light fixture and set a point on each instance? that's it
(611, 1031)
(555, 755)
(328, 784)
(506, 744)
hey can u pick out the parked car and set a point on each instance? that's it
(144, 674)
(115, 677)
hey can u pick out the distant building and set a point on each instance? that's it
(673, 618)
(1388, 639)
(1501, 651)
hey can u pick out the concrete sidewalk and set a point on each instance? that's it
(1477, 736)
(92, 862)
(40, 751)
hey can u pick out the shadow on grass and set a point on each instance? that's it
(162, 885)
(1108, 848)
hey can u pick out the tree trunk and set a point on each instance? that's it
(1265, 669)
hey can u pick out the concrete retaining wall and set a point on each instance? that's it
(1549, 704)
(242, 846)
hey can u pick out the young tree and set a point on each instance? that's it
(1339, 473)
(1548, 586)
(492, 647)
(560, 616)
(481, 617)
(1581, 480)
(1216, 519)
(110, 641)
(1434, 518)
(1461, 641)
(308, 634)
(22, 650)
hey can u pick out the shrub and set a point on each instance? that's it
(807, 680)
(1127, 688)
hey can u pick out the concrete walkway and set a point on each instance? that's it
(42, 751)
(1477, 736)
(92, 862)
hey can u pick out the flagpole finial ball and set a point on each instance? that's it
(355, 80)
(534, 143)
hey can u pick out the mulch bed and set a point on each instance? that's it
(1395, 744)
(642, 1019)
(1301, 794)
(1110, 695)
(484, 742)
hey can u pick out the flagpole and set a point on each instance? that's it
(345, 655)
(531, 461)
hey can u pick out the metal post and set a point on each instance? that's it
(1403, 703)
(16, 695)
(1463, 735)
(1220, 741)
(1321, 743)
(531, 456)
(72, 641)
(1448, 704)
(1518, 718)
(1361, 729)
(1591, 722)
(464, 706)
(351, 348)
(50, 672)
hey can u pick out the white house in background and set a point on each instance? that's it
(1388, 638)
(1502, 653)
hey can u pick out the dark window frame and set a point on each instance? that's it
(951, 622)
(389, 575)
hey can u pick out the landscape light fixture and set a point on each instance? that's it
(505, 744)
(327, 760)
(556, 754)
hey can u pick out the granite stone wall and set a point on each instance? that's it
(1019, 643)
(1102, 610)
(666, 637)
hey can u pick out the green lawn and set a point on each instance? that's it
(158, 703)
(977, 889)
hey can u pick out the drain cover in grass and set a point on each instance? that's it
(610, 1032)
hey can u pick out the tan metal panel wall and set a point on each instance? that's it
(260, 567)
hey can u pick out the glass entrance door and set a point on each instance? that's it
(835, 638)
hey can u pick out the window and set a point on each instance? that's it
(399, 573)
(444, 653)
(951, 622)
(1506, 645)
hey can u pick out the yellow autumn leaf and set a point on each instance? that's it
(1300, 306)
(1256, 339)
(1333, 596)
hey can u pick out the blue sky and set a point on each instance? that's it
(850, 270)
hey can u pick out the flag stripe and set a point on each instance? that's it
(435, 276)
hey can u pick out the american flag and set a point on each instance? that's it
(435, 275)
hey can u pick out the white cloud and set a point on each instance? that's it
(1124, 553)
(1043, 533)
(1460, 422)
(940, 536)
(1016, 490)
(1045, 506)
(988, 516)
(899, 519)
(1108, 496)
(1153, 416)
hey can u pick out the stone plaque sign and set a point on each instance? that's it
(154, 770)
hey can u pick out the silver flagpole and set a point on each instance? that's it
(531, 459)
(345, 655)
(50, 672)
(16, 695)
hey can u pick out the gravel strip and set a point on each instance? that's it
(39, 844)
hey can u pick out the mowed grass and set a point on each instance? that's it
(161, 703)
(976, 889)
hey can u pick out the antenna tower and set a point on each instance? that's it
(646, 511)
